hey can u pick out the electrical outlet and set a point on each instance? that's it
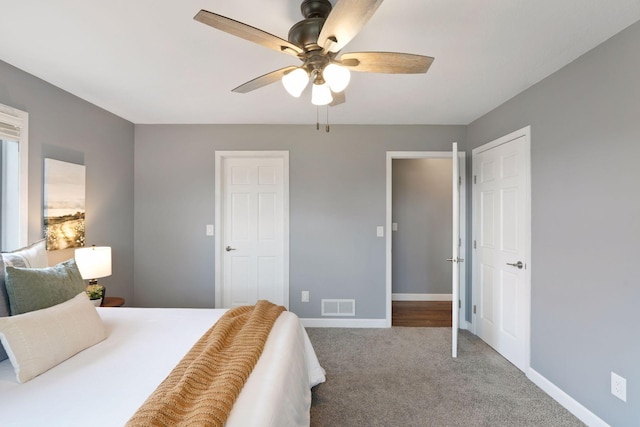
(305, 296)
(619, 386)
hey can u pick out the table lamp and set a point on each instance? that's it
(94, 263)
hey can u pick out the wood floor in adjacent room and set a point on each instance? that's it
(421, 313)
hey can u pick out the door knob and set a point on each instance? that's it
(518, 264)
(229, 248)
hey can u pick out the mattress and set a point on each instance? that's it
(105, 384)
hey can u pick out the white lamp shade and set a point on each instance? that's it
(337, 77)
(321, 94)
(295, 81)
(94, 262)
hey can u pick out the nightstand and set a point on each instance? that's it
(112, 302)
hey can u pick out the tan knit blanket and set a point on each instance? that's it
(202, 388)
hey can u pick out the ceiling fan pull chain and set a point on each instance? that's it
(327, 129)
(317, 117)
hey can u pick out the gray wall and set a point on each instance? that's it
(67, 128)
(337, 198)
(585, 124)
(422, 208)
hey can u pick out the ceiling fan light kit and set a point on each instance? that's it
(337, 77)
(296, 81)
(321, 94)
(317, 41)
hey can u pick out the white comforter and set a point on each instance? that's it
(105, 384)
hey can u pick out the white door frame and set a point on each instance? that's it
(526, 133)
(219, 228)
(389, 277)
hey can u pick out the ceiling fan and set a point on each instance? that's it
(317, 41)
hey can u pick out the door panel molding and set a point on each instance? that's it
(220, 157)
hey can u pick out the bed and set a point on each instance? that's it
(106, 383)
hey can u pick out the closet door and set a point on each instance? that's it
(252, 243)
(501, 263)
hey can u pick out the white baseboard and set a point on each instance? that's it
(465, 325)
(421, 297)
(572, 405)
(344, 323)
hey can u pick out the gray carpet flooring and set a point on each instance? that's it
(406, 377)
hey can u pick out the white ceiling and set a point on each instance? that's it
(148, 61)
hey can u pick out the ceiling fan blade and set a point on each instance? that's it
(338, 98)
(386, 62)
(246, 32)
(344, 22)
(263, 80)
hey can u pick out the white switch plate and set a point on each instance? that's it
(394, 226)
(305, 296)
(209, 229)
(380, 231)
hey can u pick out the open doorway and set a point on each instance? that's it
(419, 244)
(421, 234)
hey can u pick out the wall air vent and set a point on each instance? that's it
(338, 307)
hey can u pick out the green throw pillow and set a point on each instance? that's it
(31, 289)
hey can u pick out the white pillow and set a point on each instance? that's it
(35, 254)
(39, 340)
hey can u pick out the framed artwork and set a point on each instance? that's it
(64, 198)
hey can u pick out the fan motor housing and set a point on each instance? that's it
(306, 32)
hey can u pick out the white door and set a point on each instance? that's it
(252, 245)
(455, 254)
(501, 213)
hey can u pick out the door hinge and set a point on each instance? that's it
(474, 244)
(475, 181)
(460, 242)
(459, 303)
(459, 181)
(474, 309)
